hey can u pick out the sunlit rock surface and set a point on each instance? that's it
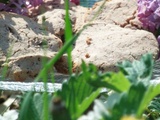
(106, 44)
(23, 46)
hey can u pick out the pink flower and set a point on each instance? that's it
(20, 6)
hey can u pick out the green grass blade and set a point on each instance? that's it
(68, 35)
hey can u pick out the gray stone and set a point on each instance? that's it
(26, 67)
(23, 46)
(106, 44)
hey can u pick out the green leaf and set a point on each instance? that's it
(138, 70)
(33, 107)
(128, 103)
(30, 112)
(119, 81)
(77, 93)
(151, 92)
(119, 105)
(114, 81)
(131, 103)
(68, 34)
(154, 105)
(123, 104)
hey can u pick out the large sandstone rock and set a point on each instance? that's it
(23, 45)
(26, 67)
(106, 44)
(118, 12)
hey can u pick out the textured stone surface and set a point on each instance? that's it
(22, 35)
(26, 67)
(22, 40)
(106, 44)
(55, 21)
(81, 15)
(118, 12)
(55, 16)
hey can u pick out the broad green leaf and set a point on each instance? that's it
(114, 81)
(119, 81)
(77, 93)
(151, 92)
(29, 112)
(87, 102)
(122, 104)
(132, 103)
(34, 107)
(138, 70)
(38, 102)
(128, 103)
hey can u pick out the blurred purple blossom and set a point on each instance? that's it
(149, 14)
(20, 6)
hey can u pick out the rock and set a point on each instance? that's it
(81, 14)
(21, 35)
(55, 17)
(118, 12)
(23, 44)
(26, 67)
(55, 21)
(106, 44)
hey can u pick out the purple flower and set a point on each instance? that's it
(149, 14)
(20, 6)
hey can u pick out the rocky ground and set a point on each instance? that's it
(113, 36)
